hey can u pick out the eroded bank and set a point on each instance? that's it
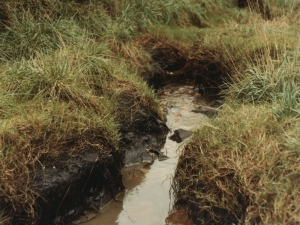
(147, 198)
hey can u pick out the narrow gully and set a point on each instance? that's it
(147, 198)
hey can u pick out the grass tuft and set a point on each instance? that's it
(26, 37)
(242, 167)
(239, 169)
(70, 78)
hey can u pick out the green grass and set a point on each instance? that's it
(70, 70)
(242, 167)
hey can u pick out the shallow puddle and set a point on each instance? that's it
(147, 198)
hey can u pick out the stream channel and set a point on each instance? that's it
(148, 197)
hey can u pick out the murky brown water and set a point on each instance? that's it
(147, 198)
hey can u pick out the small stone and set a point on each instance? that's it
(180, 134)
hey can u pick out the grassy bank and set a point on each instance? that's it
(70, 73)
(243, 166)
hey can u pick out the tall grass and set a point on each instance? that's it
(64, 84)
(237, 169)
(53, 104)
(58, 96)
(28, 37)
(70, 74)
(269, 80)
(242, 167)
(144, 13)
(30, 28)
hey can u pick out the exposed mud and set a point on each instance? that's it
(141, 128)
(147, 198)
(205, 75)
(206, 69)
(69, 184)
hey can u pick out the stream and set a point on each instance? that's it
(148, 197)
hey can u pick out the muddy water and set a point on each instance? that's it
(147, 198)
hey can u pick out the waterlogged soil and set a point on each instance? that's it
(147, 198)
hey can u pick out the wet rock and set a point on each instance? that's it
(176, 138)
(146, 131)
(135, 151)
(147, 158)
(163, 158)
(180, 134)
(183, 133)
